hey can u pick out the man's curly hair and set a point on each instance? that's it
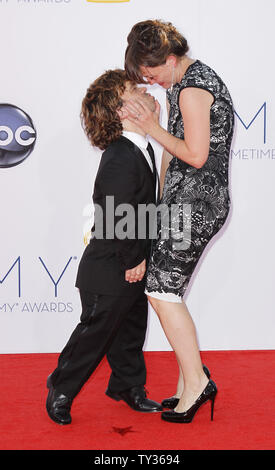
(99, 116)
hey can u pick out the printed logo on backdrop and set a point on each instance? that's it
(13, 276)
(17, 135)
(255, 129)
(58, 1)
(35, 2)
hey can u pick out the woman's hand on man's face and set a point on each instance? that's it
(141, 115)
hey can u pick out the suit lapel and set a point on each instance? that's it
(139, 154)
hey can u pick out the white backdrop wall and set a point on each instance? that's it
(50, 51)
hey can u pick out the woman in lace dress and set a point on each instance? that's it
(195, 173)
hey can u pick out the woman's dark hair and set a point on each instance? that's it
(149, 44)
(99, 117)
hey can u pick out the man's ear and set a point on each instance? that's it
(122, 113)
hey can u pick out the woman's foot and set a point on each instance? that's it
(191, 394)
(208, 394)
(173, 401)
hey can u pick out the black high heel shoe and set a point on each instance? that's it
(209, 393)
(172, 402)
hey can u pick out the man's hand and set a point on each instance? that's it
(137, 273)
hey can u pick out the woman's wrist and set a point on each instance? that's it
(170, 143)
(155, 130)
(159, 134)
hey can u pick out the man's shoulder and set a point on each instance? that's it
(118, 157)
(119, 151)
(121, 146)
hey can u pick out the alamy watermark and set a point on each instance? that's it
(144, 221)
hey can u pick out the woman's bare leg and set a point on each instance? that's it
(180, 384)
(180, 331)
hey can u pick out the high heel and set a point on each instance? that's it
(212, 407)
(172, 402)
(209, 393)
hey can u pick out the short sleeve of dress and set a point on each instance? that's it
(199, 75)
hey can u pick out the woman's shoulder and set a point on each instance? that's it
(198, 73)
(201, 75)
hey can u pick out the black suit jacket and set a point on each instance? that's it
(125, 176)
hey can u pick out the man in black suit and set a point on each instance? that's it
(111, 272)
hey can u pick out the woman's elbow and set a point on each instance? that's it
(199, 161)
(198, 156)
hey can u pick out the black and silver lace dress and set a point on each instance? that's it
(197, 199)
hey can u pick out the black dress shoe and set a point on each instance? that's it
(209, 393)
(58, 406)
(172, 402)
(135, 397)
(49, 381)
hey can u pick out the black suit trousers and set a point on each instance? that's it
(112, 325)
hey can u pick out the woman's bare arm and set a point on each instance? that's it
(195, 106)
(166, 157)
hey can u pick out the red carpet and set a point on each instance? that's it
(244, 416)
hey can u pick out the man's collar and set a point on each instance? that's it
(136, 138)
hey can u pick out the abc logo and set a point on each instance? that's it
(17, 135)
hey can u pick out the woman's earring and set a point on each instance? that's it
(172, 81)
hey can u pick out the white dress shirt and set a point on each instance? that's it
(141, 142)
